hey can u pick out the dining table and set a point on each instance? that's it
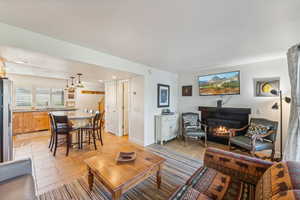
(74, 115)
(77, 118)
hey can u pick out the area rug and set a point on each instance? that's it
(177, 169)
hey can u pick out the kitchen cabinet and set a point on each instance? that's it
(17, 123)
(166, 127)
(24, 122)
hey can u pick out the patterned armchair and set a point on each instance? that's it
(193, 128)
(261, 135)
(226, 176)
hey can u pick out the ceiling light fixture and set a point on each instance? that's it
(72, 81)
(67, 86)
(79, 84)
(114, 77)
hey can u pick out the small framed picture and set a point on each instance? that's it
(263, 86)
(163, 95)
(187, 91)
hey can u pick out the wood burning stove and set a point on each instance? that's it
(220, 120)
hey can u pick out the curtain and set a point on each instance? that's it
(292, 146)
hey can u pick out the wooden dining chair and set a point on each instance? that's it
(92, 130)
(62, 127)
(52, 131)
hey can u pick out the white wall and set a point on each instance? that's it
(137, 110)
(28, 40)
(155, 77)
(89, 101)
(261, 106)
(34, 82)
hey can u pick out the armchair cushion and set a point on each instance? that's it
(257, 129)
(245, 142)
(190, 119)
(13, 169)
(281, 177)
(210, 182)
(21, 187)
(194, 132)
(186, 192)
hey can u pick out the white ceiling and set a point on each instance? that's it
(24, 62)
(174, 35)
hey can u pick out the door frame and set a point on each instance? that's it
(121, 104)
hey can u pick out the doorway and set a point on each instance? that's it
(125, 107)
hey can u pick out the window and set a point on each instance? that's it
(57, 97)
(42, 96)
(23, 97)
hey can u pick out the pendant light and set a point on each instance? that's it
(67, 86)
(79, 84)
(72, 82)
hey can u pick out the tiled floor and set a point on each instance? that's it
(51, 172)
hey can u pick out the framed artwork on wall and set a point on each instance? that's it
(187, 91)
(163, 95)
(263, 86)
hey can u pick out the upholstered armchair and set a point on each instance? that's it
(192, 127)
(260, 135)
(16, 180)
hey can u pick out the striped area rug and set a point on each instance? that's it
(177, 169)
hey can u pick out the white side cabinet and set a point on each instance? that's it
(166, 127)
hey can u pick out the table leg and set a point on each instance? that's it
(90, 179)
(116, 195)
(158, 178)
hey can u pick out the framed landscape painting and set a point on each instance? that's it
(226, 83)
(163, 95)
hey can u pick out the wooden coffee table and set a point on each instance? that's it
(120, 177)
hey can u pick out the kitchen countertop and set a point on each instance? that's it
(43, 109)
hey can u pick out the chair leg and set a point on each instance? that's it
(94, 139)
(98, 134)
(89, 132)
(55, 145)
(273, 154)
(68, 144)
(101, 137)
(51, 140)
(185, 140)
(229, 145)
(78, 138)
(252, 152)
(205, 141)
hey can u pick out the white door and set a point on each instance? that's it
(111, 117)
(125, 107)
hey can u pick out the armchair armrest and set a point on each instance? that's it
(244, 168)
(202, 124)
(16, 168)
(233, 131)
(258, 136)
